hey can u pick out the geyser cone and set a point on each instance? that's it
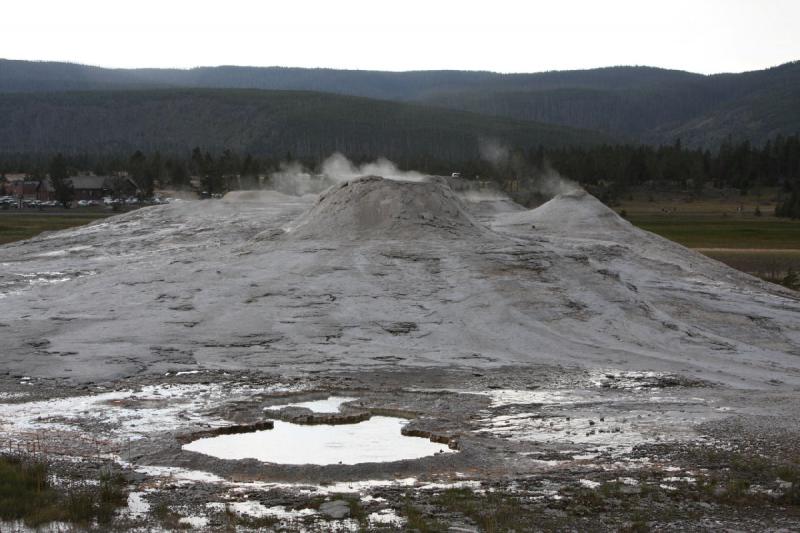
(573, 213)
(374, 207)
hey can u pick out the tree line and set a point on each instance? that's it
(611, 169)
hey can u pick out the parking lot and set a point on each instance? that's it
(11, 202)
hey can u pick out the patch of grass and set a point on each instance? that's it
(417, 521)
(788, 472)
(732, 474)
(725, 229)
(26, 494)
(111, 495)
(357, 512)
(792, 495)
(19, 226)
(766, 247)
(260, 523)
(638, 525)
(585, 501)
(491, 511)
(697, 232)
(312, 503)
(611, 489)
(168, 518)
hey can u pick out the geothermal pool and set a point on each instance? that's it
(331, 404)
(375, 440)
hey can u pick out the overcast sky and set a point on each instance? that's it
(705, 36)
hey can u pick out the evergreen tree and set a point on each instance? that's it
(212, 176)
(197, 161)
(59, 179)
(249, 172)
(137, 171)
(154, 174)
(178, 176)
(790, 208)
(791, 280)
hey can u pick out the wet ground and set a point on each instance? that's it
(540, 448)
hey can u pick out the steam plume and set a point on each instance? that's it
(545, 180)
(294, 178)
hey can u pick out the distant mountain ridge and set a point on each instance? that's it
(637, 104)
(35, 76)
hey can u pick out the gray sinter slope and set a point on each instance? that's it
(379, 273)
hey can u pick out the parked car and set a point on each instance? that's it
(7, 202)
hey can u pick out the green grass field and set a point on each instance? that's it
(704, 233)
(17, 226)
(726, 229)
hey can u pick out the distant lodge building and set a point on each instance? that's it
(85, 187)
(31, 190)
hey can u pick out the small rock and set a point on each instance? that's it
(337, 509)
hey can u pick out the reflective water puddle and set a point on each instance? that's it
(330, 405)
(375, 440)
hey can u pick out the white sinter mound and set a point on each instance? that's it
(373, 207)
(381, 273)
(577, 213)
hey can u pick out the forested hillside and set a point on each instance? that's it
(270, 123)
(638, 104)
(702, 111)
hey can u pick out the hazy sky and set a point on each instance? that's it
(508, 36)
